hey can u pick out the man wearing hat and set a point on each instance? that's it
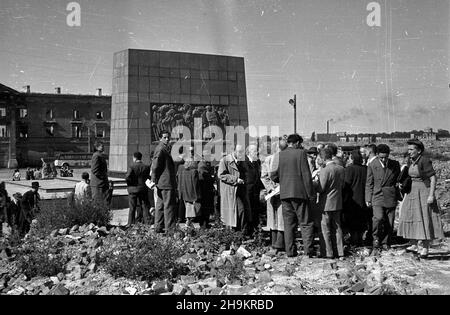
(29, 208)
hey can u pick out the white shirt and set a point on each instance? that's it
(82, 190)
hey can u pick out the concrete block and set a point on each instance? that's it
(195, 99)
(164, 98)
(164, 72)
(215, 100)
(153, 72)
(242, 101)
(133, 70)
(195, 74)
(185, 86)
(224, 100)
(169, 59)
(154, 59)
(223, 75)
(175, 98)
(242, 88)
(164, 85)
(175, 87)
(185, 99)
(144, 85)
(219, 88)
(214, 75)
(233, 88)
(223, 63)
(174, 73)
(204, 74)
(205, 100)
(234, 100)
(143, 71)
(213, 63)
(154, 98)
(185, 74)
(154, 85)
(133, 83)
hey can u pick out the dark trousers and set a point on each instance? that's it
(101, 195)
(383, 224)
(369, 230)
(165, 216)
(332, 234)
(181, 211)
(143, 215)
(295, 212)
(317, 218)
(277, 240)
(243, 213)
(255, 206)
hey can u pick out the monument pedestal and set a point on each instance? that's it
(12, 164)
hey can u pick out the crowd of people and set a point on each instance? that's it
(342, 200)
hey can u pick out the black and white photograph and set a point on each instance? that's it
(230, 154)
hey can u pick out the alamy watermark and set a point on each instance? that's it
(373, 19)
(74, 17)
(213, 143)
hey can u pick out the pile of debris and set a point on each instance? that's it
(222, 269)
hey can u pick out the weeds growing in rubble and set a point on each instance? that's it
(37, 258)
(59, 214)
(141, 255)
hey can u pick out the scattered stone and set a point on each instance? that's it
(74, 229)
(59, 290)
(267, 266)
(410, 273)
(358, 287)
(63, 232)
(179, 289)
(17, 291)
(188, 280)
(248, 262)
(54, 233)
(264, 277)
(162, 287)
(103, 232)
(131, 290)
(243, 252)
(55, 280)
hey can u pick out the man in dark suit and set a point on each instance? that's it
(296, 192)
(381, 195)
(163, 175)
(137, 175)
(254, 184)
(99, 178)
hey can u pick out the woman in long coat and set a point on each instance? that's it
(275, 220)
(420, 219)
(189, 189)
(234, 201)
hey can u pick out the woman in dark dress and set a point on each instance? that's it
(355, 213)
(420, 219)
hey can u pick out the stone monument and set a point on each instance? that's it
(159, 90)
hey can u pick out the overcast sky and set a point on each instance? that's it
(367, 79)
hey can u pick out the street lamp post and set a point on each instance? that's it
(293, 102)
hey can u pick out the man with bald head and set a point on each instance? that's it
(234, 202)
